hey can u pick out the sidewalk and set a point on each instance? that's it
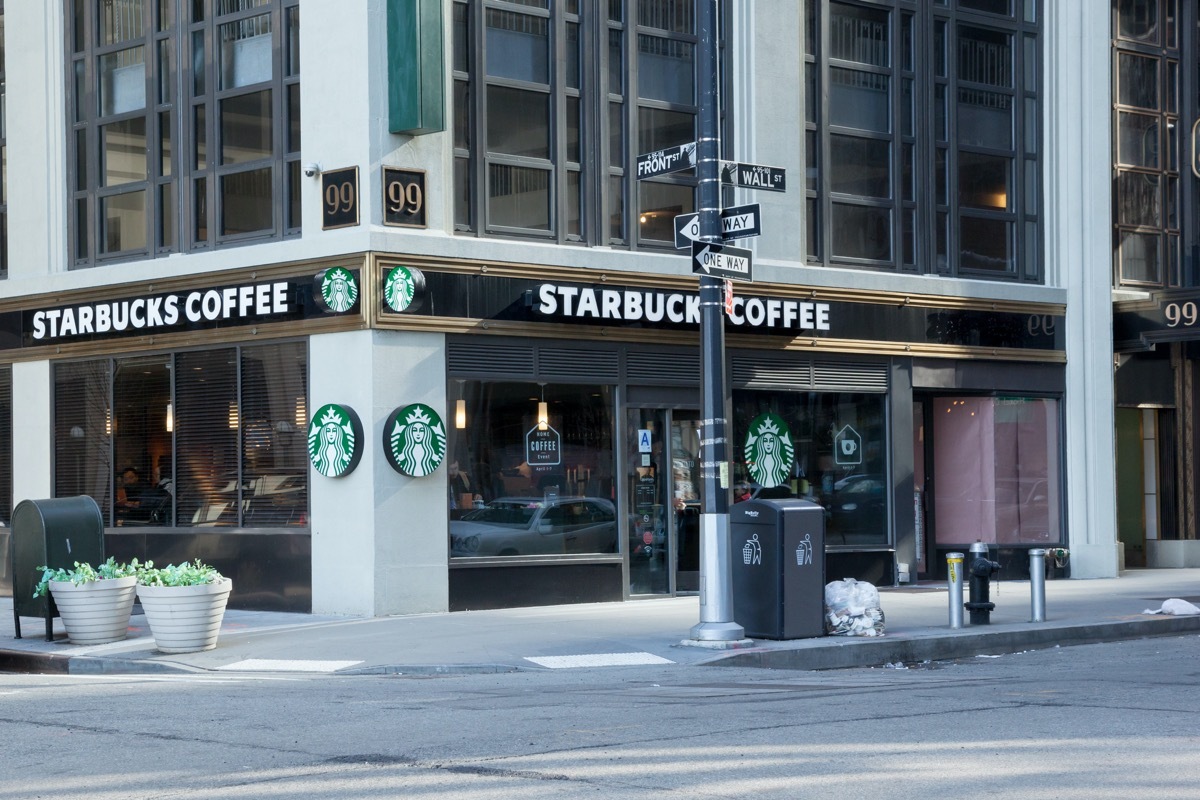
(612, 634)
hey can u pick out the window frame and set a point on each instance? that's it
(609, 203)
(929, 208)
(177, 187)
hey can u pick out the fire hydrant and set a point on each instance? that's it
(981, 571)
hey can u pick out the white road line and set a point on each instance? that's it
(286, 665)
(598, 660)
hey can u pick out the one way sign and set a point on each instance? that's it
(738, 222)
(722, 261)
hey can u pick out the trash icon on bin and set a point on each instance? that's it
(752, 552)
(804, 551)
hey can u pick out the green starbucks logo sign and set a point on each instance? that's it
(769, 451)
(339, 289)
(334, 437)
(414, 440)
(401, 288)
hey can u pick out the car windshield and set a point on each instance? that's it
(517, 514)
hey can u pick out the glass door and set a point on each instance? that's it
(685, 498)
(663, 498)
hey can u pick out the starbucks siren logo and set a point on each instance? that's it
(414, 440)
(339, 289)
(333, 437)
(400, 288)
(769, 450)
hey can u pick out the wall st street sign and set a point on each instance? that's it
(753, 176)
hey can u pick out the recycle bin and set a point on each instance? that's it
(778, 554)
(54, 533)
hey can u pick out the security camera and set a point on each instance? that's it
(312, 169)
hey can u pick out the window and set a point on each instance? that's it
(1146, 58)
(849, 480)
(6, 456)
(544, 148)
(995, 466)
(184, 125)
(922, 127)
(517, 487)
(208, 438)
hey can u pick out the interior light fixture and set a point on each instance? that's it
(108, 422)
(170, 418)
(233, 415)
(301, 412)
(460, 409)
(543, 414)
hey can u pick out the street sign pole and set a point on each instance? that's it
(716, 624)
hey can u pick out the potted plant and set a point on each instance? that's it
(184, 605)
(93, 602)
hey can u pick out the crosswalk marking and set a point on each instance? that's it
(286, 665)
(598, 660)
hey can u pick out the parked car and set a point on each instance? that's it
(511, 526)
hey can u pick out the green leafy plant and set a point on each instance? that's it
(86, 573)
(192, 573)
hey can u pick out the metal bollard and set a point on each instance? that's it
(954, 562)
(1037, 585)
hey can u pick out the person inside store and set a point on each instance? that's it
(461, 496)
(131, 494)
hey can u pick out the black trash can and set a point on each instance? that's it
(778, 549)
(54, 533)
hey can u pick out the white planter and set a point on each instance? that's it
(95, 612)
(185, 619)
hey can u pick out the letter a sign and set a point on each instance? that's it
(643, 440)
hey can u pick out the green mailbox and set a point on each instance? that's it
(55, 533)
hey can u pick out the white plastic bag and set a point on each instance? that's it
(852, 609)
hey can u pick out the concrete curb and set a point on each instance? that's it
(838, 653)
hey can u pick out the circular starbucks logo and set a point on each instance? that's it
(769, 450)
(334, 437)
(401, 288)
(414, 439)
(339, 289)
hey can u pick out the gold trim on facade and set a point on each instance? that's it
(380, 262)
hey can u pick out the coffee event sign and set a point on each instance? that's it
(241, 304)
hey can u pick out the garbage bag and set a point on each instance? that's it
(852, 609)
(1175, 606)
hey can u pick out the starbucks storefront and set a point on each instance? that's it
(573, 427)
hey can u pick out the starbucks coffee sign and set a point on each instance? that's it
(337, 289)
(403, 289)
(334, 440)
(414, 440)
(769, 451)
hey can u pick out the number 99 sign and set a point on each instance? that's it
(339, 193)
(404, 197)
(1178, 314)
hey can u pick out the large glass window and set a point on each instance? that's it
(546, 152)
(827, 447)
(995, 466)
(531, 470)
(922, 135)
(184, 125)
(193, 439)
(1146, 187)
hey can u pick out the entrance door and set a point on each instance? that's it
(663, 499)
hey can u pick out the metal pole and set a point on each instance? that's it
(716, 568)
(954, 571)
(1037, 585)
